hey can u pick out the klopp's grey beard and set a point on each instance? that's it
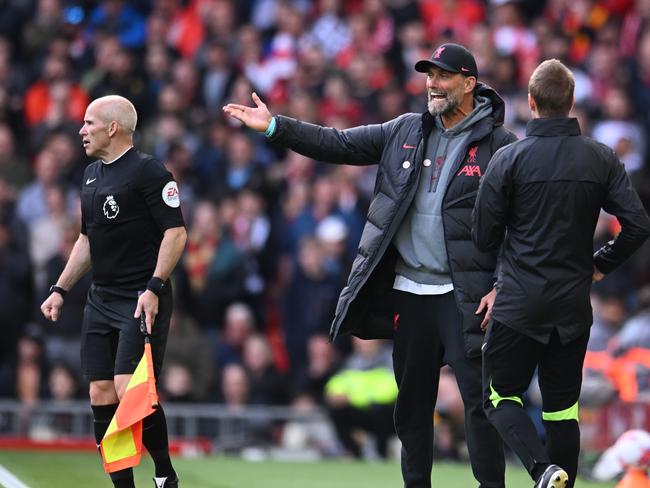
(451, 104)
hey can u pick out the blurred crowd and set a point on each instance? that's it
(271, 233)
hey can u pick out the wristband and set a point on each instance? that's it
(156, 285)
(270, 130)
(58, 289)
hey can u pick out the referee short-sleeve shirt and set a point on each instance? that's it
(126, 207)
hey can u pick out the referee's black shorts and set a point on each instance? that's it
(111, 341)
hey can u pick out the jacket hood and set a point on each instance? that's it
(482, 110)
(498, 106)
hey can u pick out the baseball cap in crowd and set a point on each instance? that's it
(450, 57)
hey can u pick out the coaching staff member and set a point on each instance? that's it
(417, 276)
(132, 235)
(540, 201)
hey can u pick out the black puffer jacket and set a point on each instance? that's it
(398, 147)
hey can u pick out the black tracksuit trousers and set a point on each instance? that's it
(427, 336)
(509, 362)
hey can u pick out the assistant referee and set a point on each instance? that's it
(132, 236)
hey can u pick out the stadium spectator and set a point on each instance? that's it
(193, 358)
(449, 418)
(63, 145)
(55, 96)
(14, 170)
(512, 36)
(46, 233)
(176, 383)
(63, 341)
(640, 74)
(31, 204)
(210, 157)
(608, 318)
(235, 387)
(302, 436)
(267, 385)
(362, 396)
(630, 349)
(16, 292)
(322, 362)
(620, 131)
(331, 233)
(103, 52)
(211, 275)
(30, 382)
(330, 30)
(122, 75)
(42, 29)
(449, 18)
(63, 384)
(118, 18)
(239, 325)
(158, 62)
(217, 75)
(309, 301)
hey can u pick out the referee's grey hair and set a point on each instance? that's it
(118, 109)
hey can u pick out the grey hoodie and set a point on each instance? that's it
(420, 239)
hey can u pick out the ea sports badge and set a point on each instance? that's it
(170, 195)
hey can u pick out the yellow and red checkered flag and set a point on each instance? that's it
(121, 446)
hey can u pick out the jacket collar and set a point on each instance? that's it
(564, 126)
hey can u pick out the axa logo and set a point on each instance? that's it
(438, 52)
(470, 170)
(110, 207)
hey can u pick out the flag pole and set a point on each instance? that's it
(151, 380)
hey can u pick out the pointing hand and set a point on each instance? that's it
(257, 118)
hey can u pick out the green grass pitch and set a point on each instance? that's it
(67, 469)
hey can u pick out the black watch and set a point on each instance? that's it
(156, 285)
(58, 289)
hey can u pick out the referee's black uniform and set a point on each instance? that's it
(540, 200)
(126, 207)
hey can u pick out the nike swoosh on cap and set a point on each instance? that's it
(463, 69)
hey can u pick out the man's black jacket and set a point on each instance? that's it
(397, 146)
(541, 198)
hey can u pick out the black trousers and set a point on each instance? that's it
(509, 362)
(427, 336)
